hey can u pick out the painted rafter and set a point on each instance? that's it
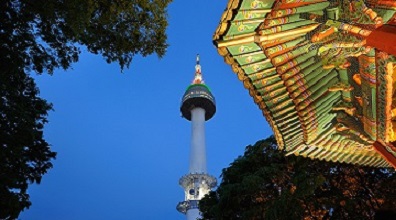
(300, 61)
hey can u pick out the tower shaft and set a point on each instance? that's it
(198, 147)
(192, 214)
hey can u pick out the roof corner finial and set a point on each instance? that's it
(198, 76)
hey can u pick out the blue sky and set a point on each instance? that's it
(122, 145)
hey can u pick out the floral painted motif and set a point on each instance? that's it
(243, 27)
(245, 49)
(248, 14)
(250, 59)
(258, 4)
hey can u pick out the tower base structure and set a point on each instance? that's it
(196, 186)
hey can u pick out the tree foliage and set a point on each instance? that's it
(40, 36)
(24, 154)
(43, 35)
(265, 184)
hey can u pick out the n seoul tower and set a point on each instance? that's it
(198, 105)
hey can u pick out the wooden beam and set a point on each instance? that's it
(383, 38)
(389, 157)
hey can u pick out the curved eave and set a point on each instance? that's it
(225, 18)
(270, 58)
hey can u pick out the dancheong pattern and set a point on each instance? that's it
(318, 72)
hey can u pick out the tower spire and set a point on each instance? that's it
(198, 75)
(198, 105)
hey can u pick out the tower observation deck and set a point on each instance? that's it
(198, 105)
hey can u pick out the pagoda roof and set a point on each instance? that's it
(319, 72)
